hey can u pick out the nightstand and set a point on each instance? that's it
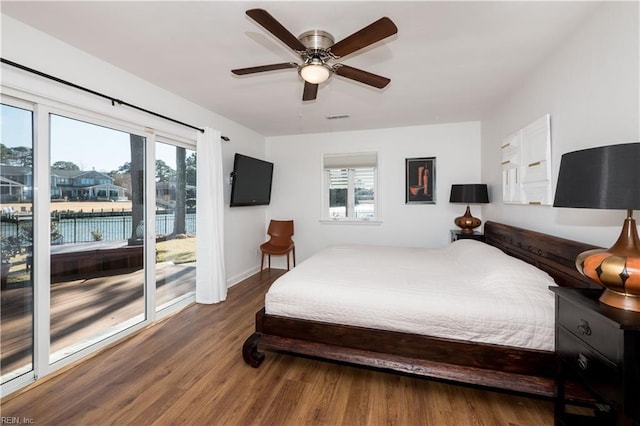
(599, 346)
(457, 234)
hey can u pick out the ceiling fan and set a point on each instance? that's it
(317, 48)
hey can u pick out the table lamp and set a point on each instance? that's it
(607, 177)
(469, 194)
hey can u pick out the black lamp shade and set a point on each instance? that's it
(469, 193)
(606, 177)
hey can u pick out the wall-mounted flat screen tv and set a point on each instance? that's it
(250, 181)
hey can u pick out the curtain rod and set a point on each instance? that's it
(102, 95)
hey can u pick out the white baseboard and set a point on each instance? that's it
(241, 276)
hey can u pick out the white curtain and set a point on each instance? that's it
(211, 284)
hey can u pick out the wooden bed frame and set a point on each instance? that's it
(498, 367)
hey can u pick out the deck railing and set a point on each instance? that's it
(77, 227)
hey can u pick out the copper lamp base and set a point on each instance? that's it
(467, 222)
(628, 302)
(616, 269)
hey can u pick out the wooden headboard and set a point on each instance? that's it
(554, 255)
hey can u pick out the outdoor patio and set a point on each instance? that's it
(83, 309)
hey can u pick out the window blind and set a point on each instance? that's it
(350, 161)
(338, 179)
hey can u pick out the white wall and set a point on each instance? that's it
(590, 86)
(297, 184)
(244, 229)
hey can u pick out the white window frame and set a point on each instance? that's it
(350, 162)
(20, 378)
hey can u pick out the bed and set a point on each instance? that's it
(415, 342)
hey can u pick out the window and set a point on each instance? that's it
(94, 238)
(350, 187)
(175, 226)
(16, 240)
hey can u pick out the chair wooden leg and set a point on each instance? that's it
(293, 251)
(261, 262)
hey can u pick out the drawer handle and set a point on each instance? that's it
(583, 362)
(583, 328)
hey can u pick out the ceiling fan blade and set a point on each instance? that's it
(362, 76)
(310, 91)
(382, 28)
(263, 68)
(270, 24)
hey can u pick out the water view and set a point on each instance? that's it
(71, 227)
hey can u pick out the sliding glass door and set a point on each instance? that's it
(175, 223)
(16, 240)
(97, 233)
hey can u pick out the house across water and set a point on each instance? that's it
(72, 185)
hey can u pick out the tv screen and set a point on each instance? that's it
(250, 181)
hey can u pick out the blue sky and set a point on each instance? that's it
(87, 145)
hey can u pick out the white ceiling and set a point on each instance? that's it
(449, 62)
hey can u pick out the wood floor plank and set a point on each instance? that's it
(188, 369)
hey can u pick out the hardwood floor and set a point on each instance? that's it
(189, 370)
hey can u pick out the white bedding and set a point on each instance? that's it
(466, 291)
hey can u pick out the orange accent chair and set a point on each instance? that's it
(280, 242)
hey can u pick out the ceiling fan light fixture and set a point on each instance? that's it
(317, 47)
(315, 72)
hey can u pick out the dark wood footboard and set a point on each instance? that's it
(495, 366)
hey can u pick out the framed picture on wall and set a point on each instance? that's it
(420, 181)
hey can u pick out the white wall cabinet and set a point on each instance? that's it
(526, 164)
